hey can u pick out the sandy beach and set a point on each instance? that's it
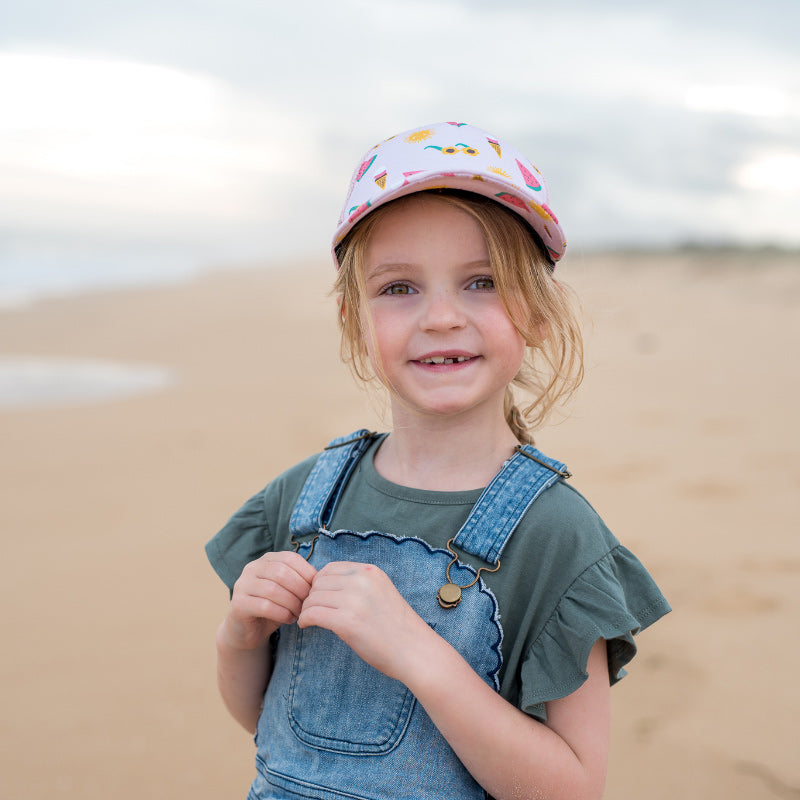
(685, 437)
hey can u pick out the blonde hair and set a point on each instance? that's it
(544, 311)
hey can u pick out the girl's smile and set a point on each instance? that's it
(439, 335)
(445, 360)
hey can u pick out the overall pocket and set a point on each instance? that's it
(339, 703)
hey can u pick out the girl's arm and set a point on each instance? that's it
(269, 593)
(510, 754)
(242, 677)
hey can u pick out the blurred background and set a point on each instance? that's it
(142, 141)
(170, 175)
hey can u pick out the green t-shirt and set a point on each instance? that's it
(564, 580)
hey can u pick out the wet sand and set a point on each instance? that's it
(685, 437)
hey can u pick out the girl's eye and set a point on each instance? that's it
(398, 288)
(483, 284)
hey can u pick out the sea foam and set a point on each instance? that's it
(42, 382)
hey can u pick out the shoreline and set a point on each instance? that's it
(23, 297)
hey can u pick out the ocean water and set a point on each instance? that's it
(35, 273)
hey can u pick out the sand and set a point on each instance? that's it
(684, 436)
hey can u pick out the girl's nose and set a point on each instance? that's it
(442, 312)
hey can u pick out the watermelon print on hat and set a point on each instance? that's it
(529, 177)
(364, 167)
(452, 155)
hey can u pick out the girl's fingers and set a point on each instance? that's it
(284, 563)
(272, 588)
(269, 593)
(273, 602)
(287, 570)
(283, 577)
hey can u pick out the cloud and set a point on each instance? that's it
(774, 172)
(137, 143)
(759, 101)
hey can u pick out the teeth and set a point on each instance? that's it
(444, 360)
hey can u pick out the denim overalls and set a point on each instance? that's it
(332, 726)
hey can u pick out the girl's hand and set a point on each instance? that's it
(269, 593)
(360, 604)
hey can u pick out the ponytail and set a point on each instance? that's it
(515, 419)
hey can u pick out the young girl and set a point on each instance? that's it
(434, 612)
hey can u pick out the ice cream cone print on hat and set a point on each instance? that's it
(452, 155)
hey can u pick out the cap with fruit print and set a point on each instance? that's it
(451, 155)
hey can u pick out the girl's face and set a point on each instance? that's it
(441, 339)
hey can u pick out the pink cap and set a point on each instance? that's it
(451, 155)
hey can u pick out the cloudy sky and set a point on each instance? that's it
(146, 135)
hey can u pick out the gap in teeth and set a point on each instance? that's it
(443, 360)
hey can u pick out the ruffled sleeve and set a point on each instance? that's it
(613, 599)
(244, 537)
(259, 526)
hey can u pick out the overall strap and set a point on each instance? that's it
(324, 486)
(505, 501)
